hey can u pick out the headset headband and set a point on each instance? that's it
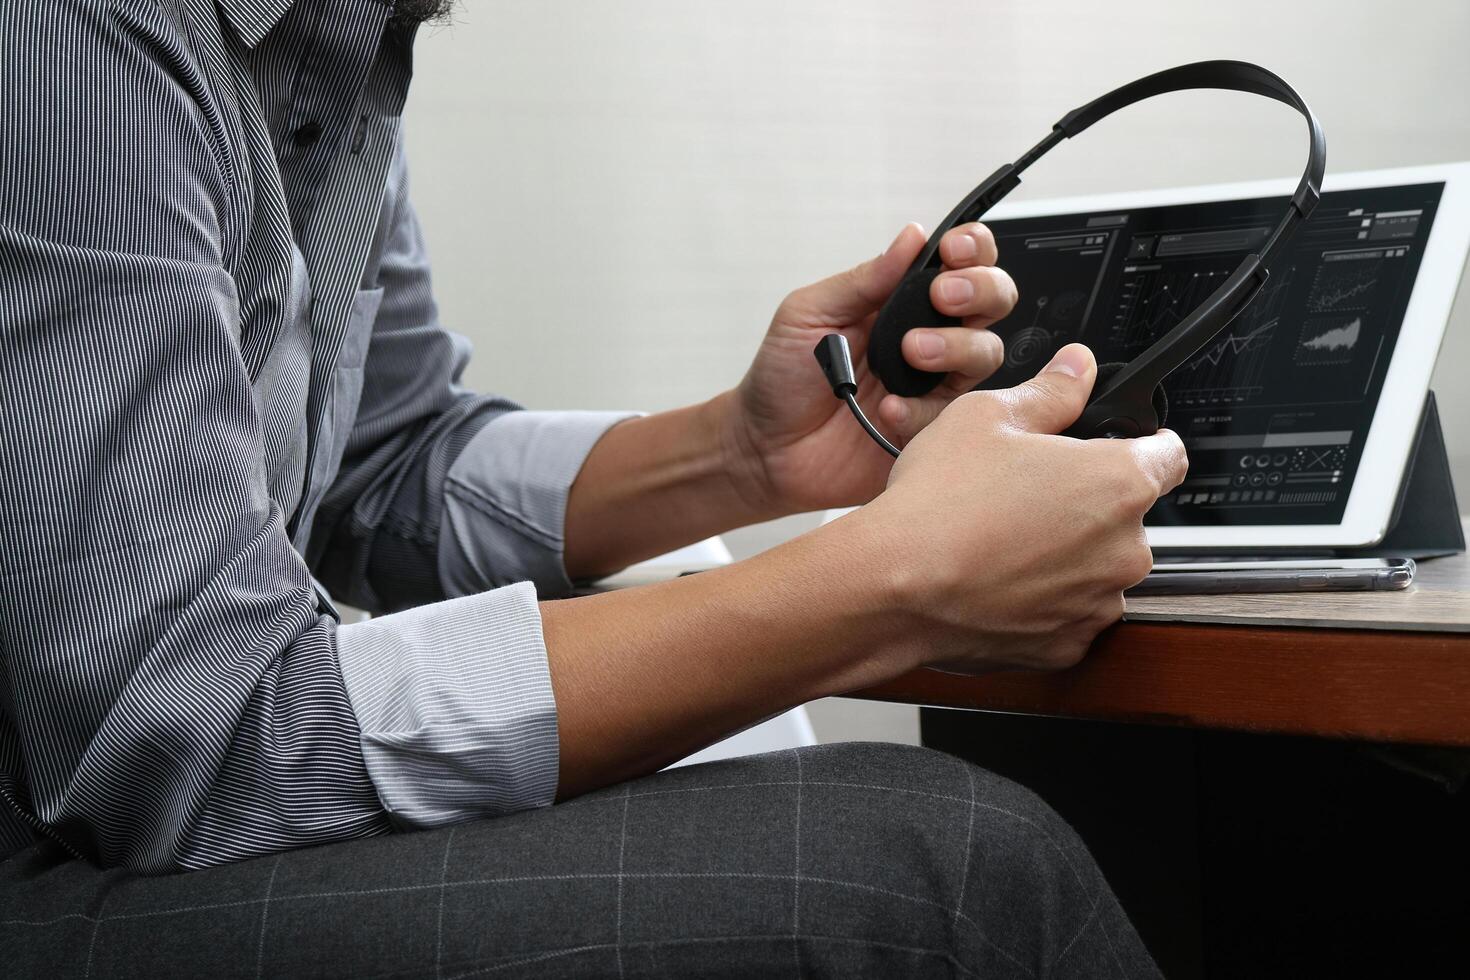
(1123, 402)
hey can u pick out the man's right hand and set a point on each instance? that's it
(997, 544)
(1005, 545)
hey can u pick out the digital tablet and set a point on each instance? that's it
(1298, 418)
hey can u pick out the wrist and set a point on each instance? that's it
(655, 483)
(742, 462)
(818, 608)
(883, 593)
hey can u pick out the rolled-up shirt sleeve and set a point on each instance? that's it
(505, 500)
(442, 495)
(454, 697)
(455, 703)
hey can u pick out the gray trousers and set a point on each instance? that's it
(843, 860)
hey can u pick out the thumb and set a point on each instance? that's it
(1054, 399)
(849, 296)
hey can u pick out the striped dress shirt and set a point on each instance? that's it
(224, 391)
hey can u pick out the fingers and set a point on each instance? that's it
(907, 417)
(972, 287)
(1130, 475)
(1162, 459)
(849, 296)
(982, 291)
(964, 351)
(1054, 399)
(967, 356)
(968, 245)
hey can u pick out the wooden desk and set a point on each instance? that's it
(1385, 666)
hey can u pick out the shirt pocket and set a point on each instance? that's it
(365, 306)
(347, 380)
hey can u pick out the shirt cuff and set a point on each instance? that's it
(505, 500)
(456, 708)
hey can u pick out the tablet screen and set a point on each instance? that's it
(1274, 411)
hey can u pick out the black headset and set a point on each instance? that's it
(1128, 398)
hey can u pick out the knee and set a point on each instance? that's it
(942, 830)
(934, 853)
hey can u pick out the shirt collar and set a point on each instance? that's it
(253, 19)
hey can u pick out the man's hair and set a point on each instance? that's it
(411, 13)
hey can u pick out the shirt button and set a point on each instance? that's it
(307, 134)
(359, 135)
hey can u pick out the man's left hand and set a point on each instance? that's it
(796, 445)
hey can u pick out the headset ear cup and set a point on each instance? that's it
(908, 307)
(1105, 373)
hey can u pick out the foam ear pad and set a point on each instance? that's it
(1105, 373)
(908, 307)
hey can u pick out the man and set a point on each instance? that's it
(224, 381)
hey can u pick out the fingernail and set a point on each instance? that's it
(963, 247)
(929, 345)
(1071, 361)
(899, 237)
(956, 289)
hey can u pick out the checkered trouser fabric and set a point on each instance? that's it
(849, 860)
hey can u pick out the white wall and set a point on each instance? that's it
(618, 194)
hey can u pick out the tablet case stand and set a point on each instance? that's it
(1426, 519)
(1425, 522)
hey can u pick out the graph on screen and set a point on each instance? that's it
(1345, 283)
(1230, 369)
(1329, 340)
(1153, 298)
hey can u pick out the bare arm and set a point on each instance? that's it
(645, 676)
(656, 483)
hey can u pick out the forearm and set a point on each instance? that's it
(657, 483)
(645, 676)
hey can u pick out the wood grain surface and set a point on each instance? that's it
(1381, 666)
(1377, 685)
(1439, 600)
